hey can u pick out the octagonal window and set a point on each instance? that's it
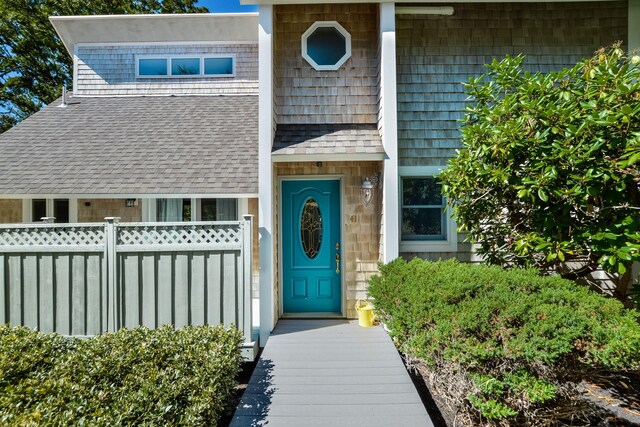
(326, 45)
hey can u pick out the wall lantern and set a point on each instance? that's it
(368, 186)
(130, 203)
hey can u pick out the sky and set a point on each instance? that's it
(226, 6)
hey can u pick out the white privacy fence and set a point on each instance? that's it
(87, 279)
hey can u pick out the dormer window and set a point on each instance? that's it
(326, 45)
(185, 66)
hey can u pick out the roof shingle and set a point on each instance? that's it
(135, 145)
(327, 139)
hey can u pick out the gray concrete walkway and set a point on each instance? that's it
(330, 373)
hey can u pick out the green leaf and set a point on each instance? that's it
(543, 196)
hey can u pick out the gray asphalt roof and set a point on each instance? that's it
(327, 139)
(135, 145)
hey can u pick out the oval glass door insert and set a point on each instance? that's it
(311, 228)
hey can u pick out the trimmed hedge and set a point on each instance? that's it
(135, 376)
(517, 336)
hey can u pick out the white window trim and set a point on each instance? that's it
(168, 58)
(448, 245)
(341, 30)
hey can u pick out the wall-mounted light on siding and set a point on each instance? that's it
(130, 203)
(368, 186)
(424, 10)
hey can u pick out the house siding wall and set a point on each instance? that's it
(361, 237)
(304, 95)
(111, 70)
(10, 211)
(99, 209)
(436, 53)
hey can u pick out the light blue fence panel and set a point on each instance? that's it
(51, 277)
(87, 279)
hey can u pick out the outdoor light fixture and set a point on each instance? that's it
(367, 187)
(130, 203)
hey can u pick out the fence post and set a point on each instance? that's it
(112, 270)
(247, 250)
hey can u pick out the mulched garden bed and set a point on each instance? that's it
(243, 382)
(606, 400)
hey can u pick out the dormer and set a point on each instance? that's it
(187, 54)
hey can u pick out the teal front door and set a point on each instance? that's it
(311, 247)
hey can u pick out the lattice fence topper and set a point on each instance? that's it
(179, 234)
(53, 235)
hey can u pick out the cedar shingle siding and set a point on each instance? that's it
(111, 70)
(436, 53)
(307, 96)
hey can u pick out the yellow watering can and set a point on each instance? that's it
(365, 313)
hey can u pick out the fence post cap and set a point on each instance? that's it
(247, 217)
(112, 219)
(48, 219)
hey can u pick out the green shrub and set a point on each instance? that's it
(131, 377)
(517, 334)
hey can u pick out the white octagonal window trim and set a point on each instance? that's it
(326, 45)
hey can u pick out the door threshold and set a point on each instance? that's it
(313, 315)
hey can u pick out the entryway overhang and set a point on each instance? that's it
(327, 142)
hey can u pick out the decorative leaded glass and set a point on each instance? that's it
(311, 228)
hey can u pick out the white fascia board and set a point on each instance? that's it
(129, 196)
(183, 28)
(330, 157)
(301, 2)
(424, 10)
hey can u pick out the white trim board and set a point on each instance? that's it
(329, 157)
(265, 173)
(303, 2)
(130, 196)
(139, 95)
(168, 43)
(148, 15)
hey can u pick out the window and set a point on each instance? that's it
(218, 66)
(326, 45)
(218, 210)
(38, 209)
(61, 210)
(152, 67)
(425, 222)
(178, 210)
(423, 209)
(185, 66)
(57, 208)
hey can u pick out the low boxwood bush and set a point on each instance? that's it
(135, 376)
(518, 337)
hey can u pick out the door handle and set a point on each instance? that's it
(337, 263)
